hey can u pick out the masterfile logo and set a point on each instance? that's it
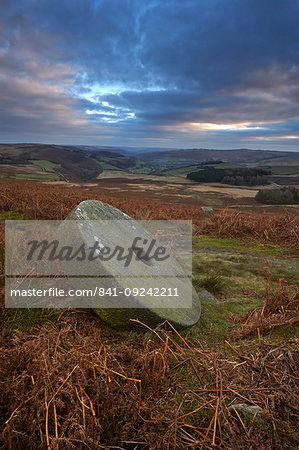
(98, 264)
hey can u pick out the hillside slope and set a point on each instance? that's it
(180, 158)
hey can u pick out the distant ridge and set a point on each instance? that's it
(84, 162)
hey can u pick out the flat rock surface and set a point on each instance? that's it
(140, 273)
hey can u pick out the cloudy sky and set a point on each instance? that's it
(158, 73)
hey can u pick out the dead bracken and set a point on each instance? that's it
(71, 382)
(74, 385)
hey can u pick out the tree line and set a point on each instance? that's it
(287, 195)
(239, 176)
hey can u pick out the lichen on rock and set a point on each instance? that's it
(147, 309)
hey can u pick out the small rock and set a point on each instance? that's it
(208, 210)
(205, 295)
(248, 411)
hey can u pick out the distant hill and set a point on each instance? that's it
(243, 156)
(83, 163)
(71, 163)
(100, 149)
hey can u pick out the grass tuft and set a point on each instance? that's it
(213, 283)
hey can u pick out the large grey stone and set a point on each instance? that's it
(145, 310)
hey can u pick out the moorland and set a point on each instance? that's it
(70, 381)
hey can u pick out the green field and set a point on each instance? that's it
(140, 169)
(195, 168)
(105, 163)
(43, 164)
(106, 166)
(285, 170)
(181, 170)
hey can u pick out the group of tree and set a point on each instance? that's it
(210, 162)
(238, 176)
(287, 195)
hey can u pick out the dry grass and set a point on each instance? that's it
(280, 308)
(279, 229)
(40, 201)
(74, 385)
(77, 384)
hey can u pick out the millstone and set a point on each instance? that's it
(138, 274)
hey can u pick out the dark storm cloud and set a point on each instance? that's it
(133, 69)
(215, 44)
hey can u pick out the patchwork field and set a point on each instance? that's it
(26, 171)
(175, 188)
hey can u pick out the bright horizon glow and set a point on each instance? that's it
(232, 126)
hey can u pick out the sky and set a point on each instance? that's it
(153, 73)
